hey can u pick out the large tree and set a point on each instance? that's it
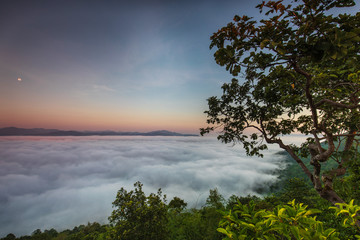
(299, 71)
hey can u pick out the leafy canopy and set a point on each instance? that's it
(289, 221)
(300, 72)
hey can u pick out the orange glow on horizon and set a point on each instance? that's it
(92, 121)
(96, 116)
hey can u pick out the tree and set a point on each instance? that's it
(215, 200)
(138, 216)
(38, 235)
(177, 204)
(201, 224)
(10, 236)
(301, 73)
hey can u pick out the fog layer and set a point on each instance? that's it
(62, 182)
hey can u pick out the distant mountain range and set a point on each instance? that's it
(14, 131)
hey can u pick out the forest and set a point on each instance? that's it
(299, 73)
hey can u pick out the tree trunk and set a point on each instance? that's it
(330, 195)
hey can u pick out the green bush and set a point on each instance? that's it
(289, 221)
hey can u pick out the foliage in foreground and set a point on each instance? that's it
(250, 217)
(290, 221)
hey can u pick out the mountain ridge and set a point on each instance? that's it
(14, 131)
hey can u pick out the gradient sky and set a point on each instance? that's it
(120, 65)
(117, 65)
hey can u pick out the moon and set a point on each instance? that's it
(19, 79)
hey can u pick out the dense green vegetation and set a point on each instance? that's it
(276, 216)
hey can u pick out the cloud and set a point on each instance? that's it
(103, 88)
(61, 182)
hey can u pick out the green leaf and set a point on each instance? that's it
(264, 43)
(311, 212)
(281, 211)
(222, 230)
(295, 231)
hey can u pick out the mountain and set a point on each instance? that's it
(13, 131)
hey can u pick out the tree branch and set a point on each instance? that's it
(336, 104)
(288, 149)
(307, 92)
(343, 135)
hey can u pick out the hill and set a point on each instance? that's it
(14, 131)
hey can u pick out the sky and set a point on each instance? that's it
(62, 182)
(110, 65)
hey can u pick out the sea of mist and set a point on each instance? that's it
(62, 182)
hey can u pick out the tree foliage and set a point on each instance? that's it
(351, 213)
(249, 217)
(288, 221)
(300, 72)
(177, 204)
(138, 216)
